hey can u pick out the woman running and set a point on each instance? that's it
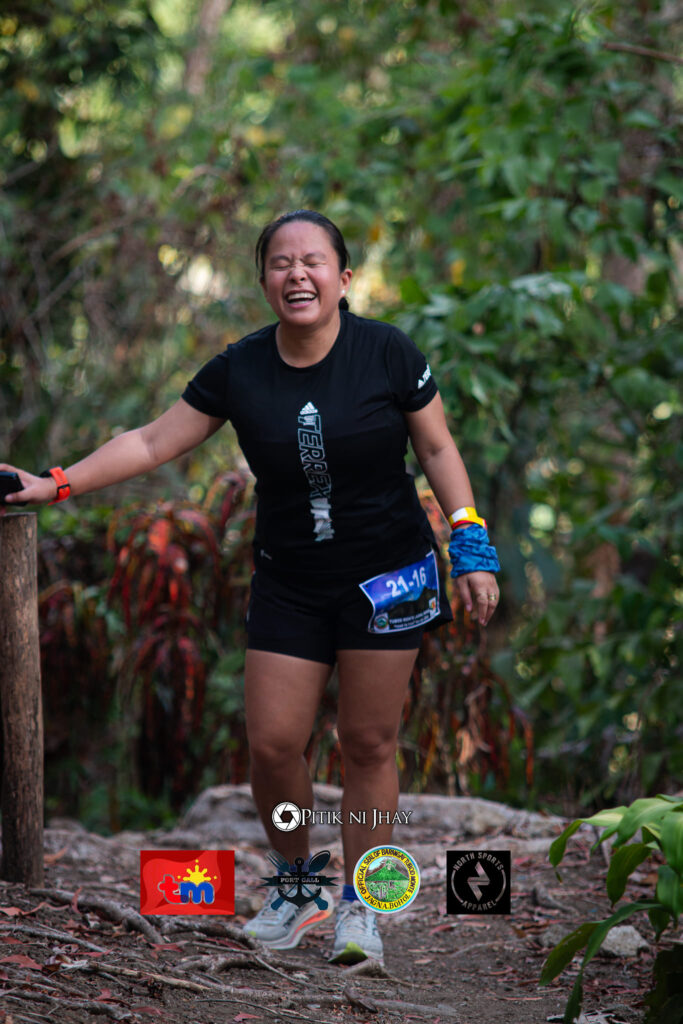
(323, 403)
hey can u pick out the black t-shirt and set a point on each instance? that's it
(326, 444)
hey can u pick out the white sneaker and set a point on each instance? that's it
(282, 927)
(355, 934)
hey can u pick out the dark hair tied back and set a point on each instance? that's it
(313, 217)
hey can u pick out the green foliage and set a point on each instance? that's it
(509, 182)
(660, 823)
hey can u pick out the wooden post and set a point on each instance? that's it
(20, 701)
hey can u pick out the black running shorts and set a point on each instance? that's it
(315, 620)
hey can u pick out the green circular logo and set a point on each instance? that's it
(386, 879)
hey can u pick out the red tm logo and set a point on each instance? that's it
(187, 881)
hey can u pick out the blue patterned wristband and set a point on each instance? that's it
(470, 551)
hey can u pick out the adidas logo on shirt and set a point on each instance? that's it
(309, 415)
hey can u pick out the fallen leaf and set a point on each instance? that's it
(245, 1016)
(173, 945)
(107, 996)
(11, 911)
(34, 910)
(425, 960)
(52, 858)
(21, 960)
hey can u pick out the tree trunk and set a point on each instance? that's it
(20, 702)
(199, 61)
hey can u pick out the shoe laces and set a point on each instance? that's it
(270, 913)
(353, 914)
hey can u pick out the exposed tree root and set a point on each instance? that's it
(114, 911)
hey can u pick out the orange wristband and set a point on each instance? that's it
(63, 486)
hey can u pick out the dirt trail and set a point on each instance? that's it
(76, 951)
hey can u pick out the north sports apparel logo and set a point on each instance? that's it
(187, 881)
(478, 881)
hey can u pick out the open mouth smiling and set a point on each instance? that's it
(299, 297)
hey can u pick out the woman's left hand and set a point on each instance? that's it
(479, 590)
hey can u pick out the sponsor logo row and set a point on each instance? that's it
(386, 879)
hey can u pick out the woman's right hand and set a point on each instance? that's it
(36, 490)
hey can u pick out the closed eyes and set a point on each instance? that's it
(282, 263)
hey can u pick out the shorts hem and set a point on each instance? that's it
(275, 647)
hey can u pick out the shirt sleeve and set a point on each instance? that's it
(207, 392)
(410, 376)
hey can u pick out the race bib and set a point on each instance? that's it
(403, 599)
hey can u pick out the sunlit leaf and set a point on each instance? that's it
(646, 811)
(610, 819)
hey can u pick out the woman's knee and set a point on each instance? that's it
(367, 748)
(273, 750)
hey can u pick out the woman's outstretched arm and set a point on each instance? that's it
(131, 454)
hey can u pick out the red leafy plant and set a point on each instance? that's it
(172, 583)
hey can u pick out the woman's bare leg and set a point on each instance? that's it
(281, 695)
(372, 691)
